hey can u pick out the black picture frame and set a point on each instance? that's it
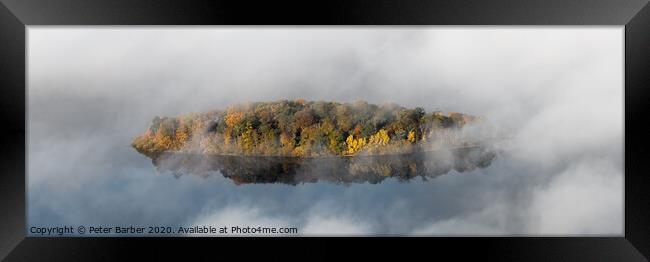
(16, 15)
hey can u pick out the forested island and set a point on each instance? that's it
(304, 129)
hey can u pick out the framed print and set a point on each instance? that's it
(512, 129)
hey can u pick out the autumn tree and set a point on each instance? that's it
(299, 128)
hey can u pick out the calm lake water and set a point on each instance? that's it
(110, 184)
(99, 180)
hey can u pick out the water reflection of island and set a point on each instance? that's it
(338, 170)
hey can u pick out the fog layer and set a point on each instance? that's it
(557, 90)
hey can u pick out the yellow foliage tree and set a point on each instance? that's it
(163, 141)
(411, 137)
(380, 138)
(354, 145)
(248, 139)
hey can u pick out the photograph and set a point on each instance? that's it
(438, 131)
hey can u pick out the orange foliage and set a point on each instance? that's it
(233, 117)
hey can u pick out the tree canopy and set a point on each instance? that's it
(298, 128)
